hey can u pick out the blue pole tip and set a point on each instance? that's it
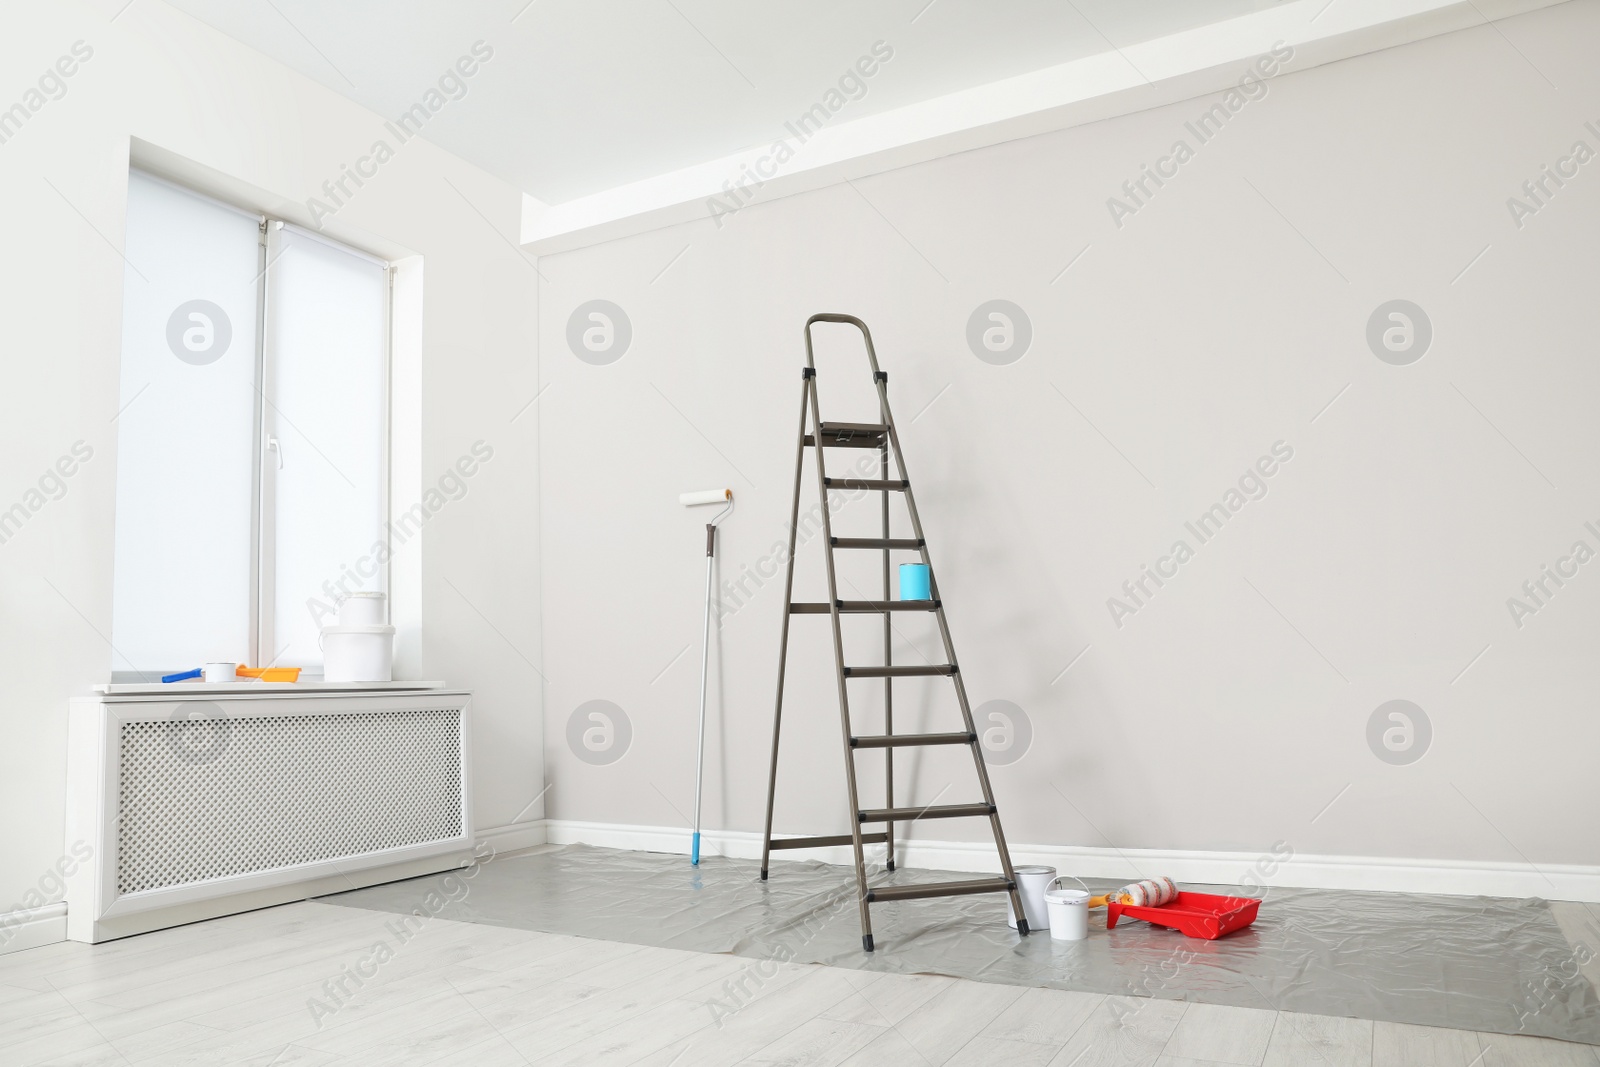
(694, 851)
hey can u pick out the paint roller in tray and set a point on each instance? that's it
(693, 500)
(1150, 893)
(1158, 901)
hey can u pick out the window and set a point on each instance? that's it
(252, 438)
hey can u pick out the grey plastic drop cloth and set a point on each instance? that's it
(1472, 963)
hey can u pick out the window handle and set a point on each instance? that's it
(273, 447)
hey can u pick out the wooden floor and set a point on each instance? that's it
(309, 984)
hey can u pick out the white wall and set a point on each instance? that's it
(160, 77)
(1230, 714)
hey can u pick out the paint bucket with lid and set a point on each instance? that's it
(357, 653)
(1031, 884)
(1069, 911)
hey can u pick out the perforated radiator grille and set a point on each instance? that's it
(206, 796)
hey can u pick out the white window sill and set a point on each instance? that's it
(179, 690)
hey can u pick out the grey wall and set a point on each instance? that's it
(1227, 314)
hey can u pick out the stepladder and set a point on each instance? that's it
(821, 439)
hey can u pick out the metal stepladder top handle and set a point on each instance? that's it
(882, 436)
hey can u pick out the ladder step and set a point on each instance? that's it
(878, 542)
(938, 889)
(825, 842)
(937, 811)
(857, 607)
(893, 485)
(850, 435)
(901, 672)
(857, 428)
(911, 740)
(845, 442)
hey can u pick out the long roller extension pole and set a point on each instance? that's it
(710, 496)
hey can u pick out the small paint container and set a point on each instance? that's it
(1069, 913)
(362, 609)
(914, 582)
(221, 672)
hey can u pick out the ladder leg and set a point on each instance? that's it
(783, 639)
(838, 663)
(888, 683)
(988, 798)
(950, 652)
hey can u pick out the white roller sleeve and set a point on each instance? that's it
(705, 496)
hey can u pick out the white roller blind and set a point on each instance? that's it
(252, 477)
(185, 435)
(327, 410)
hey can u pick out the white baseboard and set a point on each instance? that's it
(514, 836)
(48, 924)
(33, 927)
(1373, 873)
(85, 928)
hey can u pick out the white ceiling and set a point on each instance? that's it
(586, 95)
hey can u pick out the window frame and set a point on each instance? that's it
(261, 631)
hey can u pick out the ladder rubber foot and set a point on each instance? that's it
(763, 876)
(891, 865)
(866, 942)
(1022, 927)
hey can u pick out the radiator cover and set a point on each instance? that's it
(188, 803)
(282, 792)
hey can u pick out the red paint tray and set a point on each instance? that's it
(1196, 914)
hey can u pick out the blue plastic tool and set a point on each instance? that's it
(198, 672)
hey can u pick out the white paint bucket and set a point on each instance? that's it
(1069, 912)
(357, 653)
(222, 672)
(362, 609)
(1031, 884)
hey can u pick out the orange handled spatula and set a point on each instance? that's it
(271, 674)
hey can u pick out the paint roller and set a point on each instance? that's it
(694, 500)
(1150, 893)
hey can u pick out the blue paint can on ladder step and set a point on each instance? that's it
(914, 584)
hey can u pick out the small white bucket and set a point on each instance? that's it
(1031, 884)
(362, 609)
(357, 653)
(1069, 912)
(221, 672)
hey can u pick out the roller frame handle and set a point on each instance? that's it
(705, 496)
